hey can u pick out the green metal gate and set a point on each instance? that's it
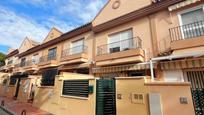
(197, 89)
(105, 97)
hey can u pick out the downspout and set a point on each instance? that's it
(151, 70)
(93, 53)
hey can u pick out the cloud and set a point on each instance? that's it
(38, 3)
(59, 24)
(62, 14)
(15, 28)
(85, 11)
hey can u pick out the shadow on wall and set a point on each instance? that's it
(42, 95)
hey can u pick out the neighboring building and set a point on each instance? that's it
(10, 61)
(168, 33)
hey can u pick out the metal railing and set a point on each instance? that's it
(74, 50)
(28, 63)
(16, 65)
(132, 43)
(48, 58)
(10, 62)
(187, 31)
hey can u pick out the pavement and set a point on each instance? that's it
(16, 107)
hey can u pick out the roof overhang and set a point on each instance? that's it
(82, 29)
(13, 53)
(150, 9)
(20, 75)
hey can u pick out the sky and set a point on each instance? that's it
(35, 18)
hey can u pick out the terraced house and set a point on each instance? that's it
(136, 57)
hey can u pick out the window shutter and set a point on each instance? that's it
(78, 88)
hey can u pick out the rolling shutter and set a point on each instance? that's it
(79, 88)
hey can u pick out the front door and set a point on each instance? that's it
(196, 78)
(105, 97)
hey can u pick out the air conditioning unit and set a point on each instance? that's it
(115, 49)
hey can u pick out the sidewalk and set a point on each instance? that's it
(17, 107)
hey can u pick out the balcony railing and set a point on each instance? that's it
(74, 50)
(132, 43)
(47, 58)
(16, 65)
(28, 63)
(187, 31)
(10, 62)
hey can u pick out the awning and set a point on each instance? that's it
(182, 4)
(75, 66)
(183, 64)
(130, 67)
(20, 75)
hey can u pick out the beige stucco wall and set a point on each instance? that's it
(50, 99)
(88, 42)
(88, 39)
(126, 87)
(161, 22)
(25, 45)
(164, 20)
(170, 93)
(140, 28)
(10, 91)
(24, 94)
(15, 61)
(170, 97)
(126, 6)
(54, 33)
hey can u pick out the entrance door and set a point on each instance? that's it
(17, 87)
(197, 88)
(105, 97)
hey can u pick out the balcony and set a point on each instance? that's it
(29, 65)
(10, 64)
(74, 55)
(17, 68)
(48, 61)
(2, 68)
(126, 51)
(187, 36)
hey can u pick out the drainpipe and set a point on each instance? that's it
(152, 70)
(153, 60)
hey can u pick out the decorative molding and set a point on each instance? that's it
(116, 4)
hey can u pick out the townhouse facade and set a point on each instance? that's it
(162, 40)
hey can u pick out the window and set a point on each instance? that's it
(77, 47)
(120, 41)
(136, 73)
(52, 54)
(35, 59)
(10, 62)
(193, 23)
(48, 77)
(23, 62)
(79, 88)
